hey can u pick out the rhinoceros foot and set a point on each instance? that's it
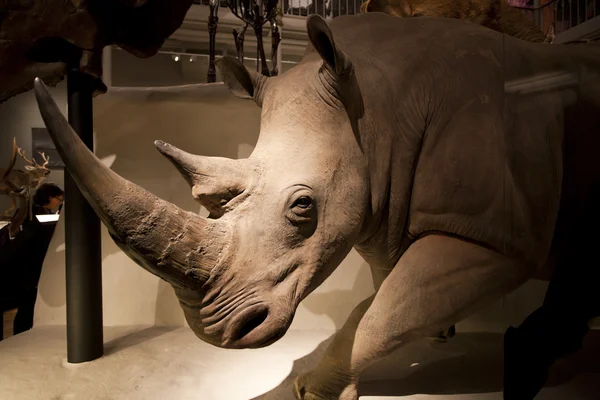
(316, 386)
(445, 335)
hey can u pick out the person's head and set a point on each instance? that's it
(49, 196)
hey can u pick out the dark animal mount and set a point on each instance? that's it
(46, 38)
(254, 13)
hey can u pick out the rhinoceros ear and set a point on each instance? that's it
(321, 38)
(241, 81)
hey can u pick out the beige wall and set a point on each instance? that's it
(211, 122)
(162, 70)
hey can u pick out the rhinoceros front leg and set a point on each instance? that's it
(437, 282)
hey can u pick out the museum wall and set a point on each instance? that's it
(163, 70)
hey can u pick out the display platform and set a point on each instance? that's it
(171, 363)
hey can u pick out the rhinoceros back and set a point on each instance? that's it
(489, 164)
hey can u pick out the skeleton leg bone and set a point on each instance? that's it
(437, 282)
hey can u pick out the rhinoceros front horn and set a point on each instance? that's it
(179, 246)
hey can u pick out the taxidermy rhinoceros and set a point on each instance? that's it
(458, 161)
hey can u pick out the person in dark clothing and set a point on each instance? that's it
(22, 258)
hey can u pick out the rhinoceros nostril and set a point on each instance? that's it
(253, 321)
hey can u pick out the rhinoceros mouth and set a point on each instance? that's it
(246, 322)
(255, 327)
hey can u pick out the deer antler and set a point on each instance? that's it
(22, 154)
(45, 158)
(33, 160)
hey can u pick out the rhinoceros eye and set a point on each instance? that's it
(302, 213)
(301, 209)
(302, 202)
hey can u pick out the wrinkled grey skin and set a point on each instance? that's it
(409, 139)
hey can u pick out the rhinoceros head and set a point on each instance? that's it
(280, 221)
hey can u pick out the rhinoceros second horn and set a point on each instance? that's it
(176, 245)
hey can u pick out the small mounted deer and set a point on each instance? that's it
(35, 173)
(19, 185)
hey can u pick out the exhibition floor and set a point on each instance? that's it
(170, 363)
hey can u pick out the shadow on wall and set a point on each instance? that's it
(52, 290)
(329, 306)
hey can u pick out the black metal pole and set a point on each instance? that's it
(85, 340)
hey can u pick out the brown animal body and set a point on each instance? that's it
(494, 14)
